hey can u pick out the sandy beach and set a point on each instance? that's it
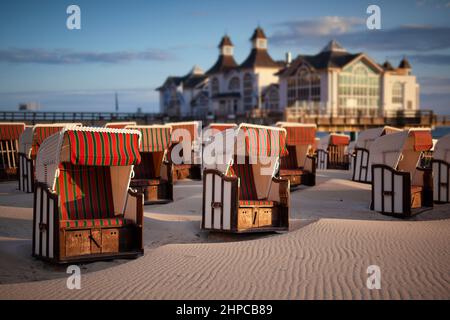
(333, 238)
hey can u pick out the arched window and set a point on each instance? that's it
(248, 91)
(215, 86)
(234, 85)
(397, 93)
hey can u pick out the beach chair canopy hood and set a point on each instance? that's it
(333, 139)
(442, 149)
(154, 138)
(300, 139)
(366, 137)
(192, 127)
(401, 150)
(11, 131)
(119, 125)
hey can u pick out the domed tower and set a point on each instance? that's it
(226, 61)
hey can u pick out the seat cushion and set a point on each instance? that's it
(89, 223)
(257, 203)
(146, 182)
(291, 172)
(289, 161)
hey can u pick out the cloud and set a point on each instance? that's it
(352, 33)
(66, 56)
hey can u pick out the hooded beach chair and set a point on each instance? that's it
(153, 176)
(242, 194)
(9, 148)
(398, 184)
(186, 134)
(441, 170)
(332, 152)
(360, 158)
(29, 143)
(299, 166)
(84, 209)
(119, 125)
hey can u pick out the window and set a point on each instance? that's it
(234, 85)
(214, 86)
(248, 91)
(359, 91)
(397, 93)
(272, 99)
(304, 87)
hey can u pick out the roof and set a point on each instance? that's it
(387, 66)
(189, 81)
(259, 58)
(224, 63)
(226, 41)
(333, 45)
(404, 64)
(258, 34)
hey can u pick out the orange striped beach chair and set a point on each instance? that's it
(84, 209)
(242, 194)
(9, 148)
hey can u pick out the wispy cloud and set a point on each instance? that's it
(66, 56)
(351, 31)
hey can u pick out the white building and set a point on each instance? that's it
(337, 82)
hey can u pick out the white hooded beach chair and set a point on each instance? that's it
(119, 125)
(241, 194)
(9, 148)
(398, 184)
(29, 143)
(441, 170)
(332, 152)
(84, 209)
(153, 176)
(186, 136)
(299, 166)
(360, 159)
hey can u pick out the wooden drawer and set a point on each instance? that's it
(78, 243)
(267, 217)
(416, 199)
(110, 240)
(245, 218)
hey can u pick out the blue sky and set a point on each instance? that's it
(132, 46)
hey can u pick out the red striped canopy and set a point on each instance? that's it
(336, 140)
(42, 133)
(264, 142)
(297, 135)
(423, 141)
(96, 148)
(11, 131)
(222, 126)
(154, 139)
(190, 127)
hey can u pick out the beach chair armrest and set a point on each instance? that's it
(134, 209)
(310, 164)
(279, 191)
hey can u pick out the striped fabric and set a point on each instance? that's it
(154, 139)
(258, 203)
(222, 126)
(289, 161)
(339, 140)
(89, 223)
(191, 128)
(42, 133)
(103, 148)
(264, 142)
(11, 131)
(247, 189)
(300, 135)
(85, 192)
(423, 141)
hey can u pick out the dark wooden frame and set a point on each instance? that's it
(282, 207)
(442, 165)
(184, 171)
(26, 173)
(134, 232)
(9, 153)
(426, 193)
(306, 178)
(362, 167)
(334, 160)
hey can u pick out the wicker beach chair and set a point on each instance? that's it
(398, 184)
(29, 143)
(299, 166)
(187, 136)
(361, 171)
(153, 176)
(84, 209)
(242, 194)
(9, 148)
(332, 152)
(441, 170)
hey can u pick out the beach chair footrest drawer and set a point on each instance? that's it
(256, 217)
